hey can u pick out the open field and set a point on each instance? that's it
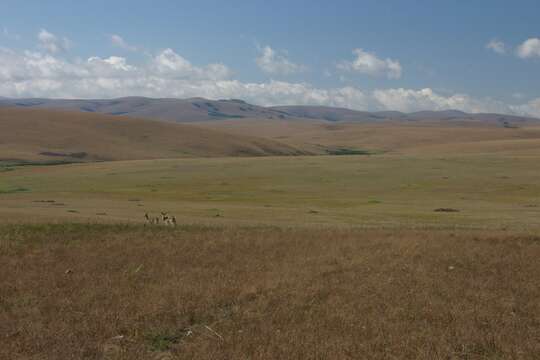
(489, 191)
(194, 292)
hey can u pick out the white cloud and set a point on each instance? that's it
(168, 74)
(51, 43)
(530, 48)
(118, 41)
(409, 100)
(272, 62)
(170, 64)
(368, 63)
(532, 108)
(497, 46)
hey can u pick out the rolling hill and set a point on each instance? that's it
(174, 110)
(397, 137)
(60, 136)
(199, 109)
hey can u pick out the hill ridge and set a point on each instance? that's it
(198, 109)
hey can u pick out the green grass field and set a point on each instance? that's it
(489, 192)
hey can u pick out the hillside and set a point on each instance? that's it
(402, 137)
(55, 136)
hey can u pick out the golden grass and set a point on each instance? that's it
(128, 292)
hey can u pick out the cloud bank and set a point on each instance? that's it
(51, 73)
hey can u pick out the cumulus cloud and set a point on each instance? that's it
(52, 43)
(368, 63)
(271, 62)
(168, 74)
(170, 64)
(529, 48)
(118, 41)
(497, 46)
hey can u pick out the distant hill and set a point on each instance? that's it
(327, 113)
(175, 110)
(199, 109)
(57, 136)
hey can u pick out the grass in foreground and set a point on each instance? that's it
(128, 292)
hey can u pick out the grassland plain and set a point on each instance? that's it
(488, 191)
(74, 291)
(309, 257)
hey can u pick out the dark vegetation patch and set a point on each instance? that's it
(76, 155)
(163, 341)
(448, 210)
(508, 125)
(118, 113)
(374, 201)
(12, 163)
(236, 101)
(14, 190)
(349, 151)
(223, 115)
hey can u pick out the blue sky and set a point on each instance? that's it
(375, 55)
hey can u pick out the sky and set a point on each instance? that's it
(406, 55)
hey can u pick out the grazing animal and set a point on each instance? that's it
(168, 219)
(151, 220)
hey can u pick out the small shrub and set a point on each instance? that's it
(162, 341)
(13, 191)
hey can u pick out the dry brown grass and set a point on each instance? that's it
(128, 292)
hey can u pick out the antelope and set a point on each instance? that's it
(151, 220)
(168, 219)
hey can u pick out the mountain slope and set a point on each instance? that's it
(47, 135)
